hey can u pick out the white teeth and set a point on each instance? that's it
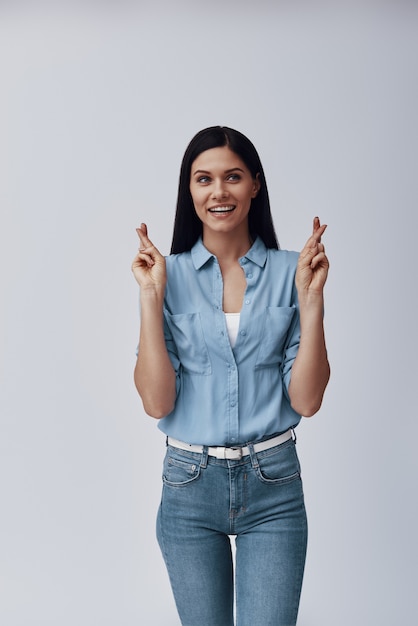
(222, 209)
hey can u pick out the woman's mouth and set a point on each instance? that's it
(222, 210)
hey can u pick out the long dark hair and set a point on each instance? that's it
(187, 226)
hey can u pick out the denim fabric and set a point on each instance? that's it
(259, 499)
(230, 395)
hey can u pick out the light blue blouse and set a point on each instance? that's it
(231, 396)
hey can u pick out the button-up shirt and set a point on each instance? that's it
(231, 396)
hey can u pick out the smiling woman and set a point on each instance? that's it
(231, 355)
(187, 226)
(222, 188)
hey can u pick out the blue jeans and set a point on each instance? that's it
(259, 499)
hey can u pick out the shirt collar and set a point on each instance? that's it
(257, 253)
(201, 255)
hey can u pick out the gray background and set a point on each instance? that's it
(97, 106)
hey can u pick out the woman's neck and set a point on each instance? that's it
(227, 246)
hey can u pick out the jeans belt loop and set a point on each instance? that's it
(204, 459)
(253, 456)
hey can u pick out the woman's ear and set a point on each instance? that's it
(256, 186)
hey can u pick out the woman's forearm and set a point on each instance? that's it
(310, 370)
(154, 375)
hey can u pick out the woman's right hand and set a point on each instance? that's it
(148, 266)
(154, 375)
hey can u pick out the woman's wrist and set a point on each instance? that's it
(153, 294)
(311, 300)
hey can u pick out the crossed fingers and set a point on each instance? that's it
(146, 250)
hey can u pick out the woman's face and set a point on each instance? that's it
(222, 188)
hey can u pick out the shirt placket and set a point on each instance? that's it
(231, 401)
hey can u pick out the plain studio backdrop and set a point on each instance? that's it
(98, 102)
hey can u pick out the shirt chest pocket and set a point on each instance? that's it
(188, 336)
(275, 328)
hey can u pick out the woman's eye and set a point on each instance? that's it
(203, 179)
(234, 177)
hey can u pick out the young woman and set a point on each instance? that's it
(231, 355)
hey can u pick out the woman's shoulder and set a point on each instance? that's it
(179, 264)
(179, 258)
(283, 257)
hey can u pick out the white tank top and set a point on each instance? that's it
(232, 325)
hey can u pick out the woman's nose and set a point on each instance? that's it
(220, 190)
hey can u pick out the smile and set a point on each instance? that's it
(222, 209)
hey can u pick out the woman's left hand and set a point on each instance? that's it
(312, 269)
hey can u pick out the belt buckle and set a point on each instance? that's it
(235, 454)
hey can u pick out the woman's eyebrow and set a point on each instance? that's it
(233, 169)
(201, 172)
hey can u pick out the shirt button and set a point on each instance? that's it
(247, 301)
(233, 403)
(243, 332)
(249, 275)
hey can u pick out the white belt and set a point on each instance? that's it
(232, 453)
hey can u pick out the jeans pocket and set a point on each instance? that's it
(278, 465)
(179, 472)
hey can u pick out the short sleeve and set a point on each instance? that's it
(291, 348)
(172, 352)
